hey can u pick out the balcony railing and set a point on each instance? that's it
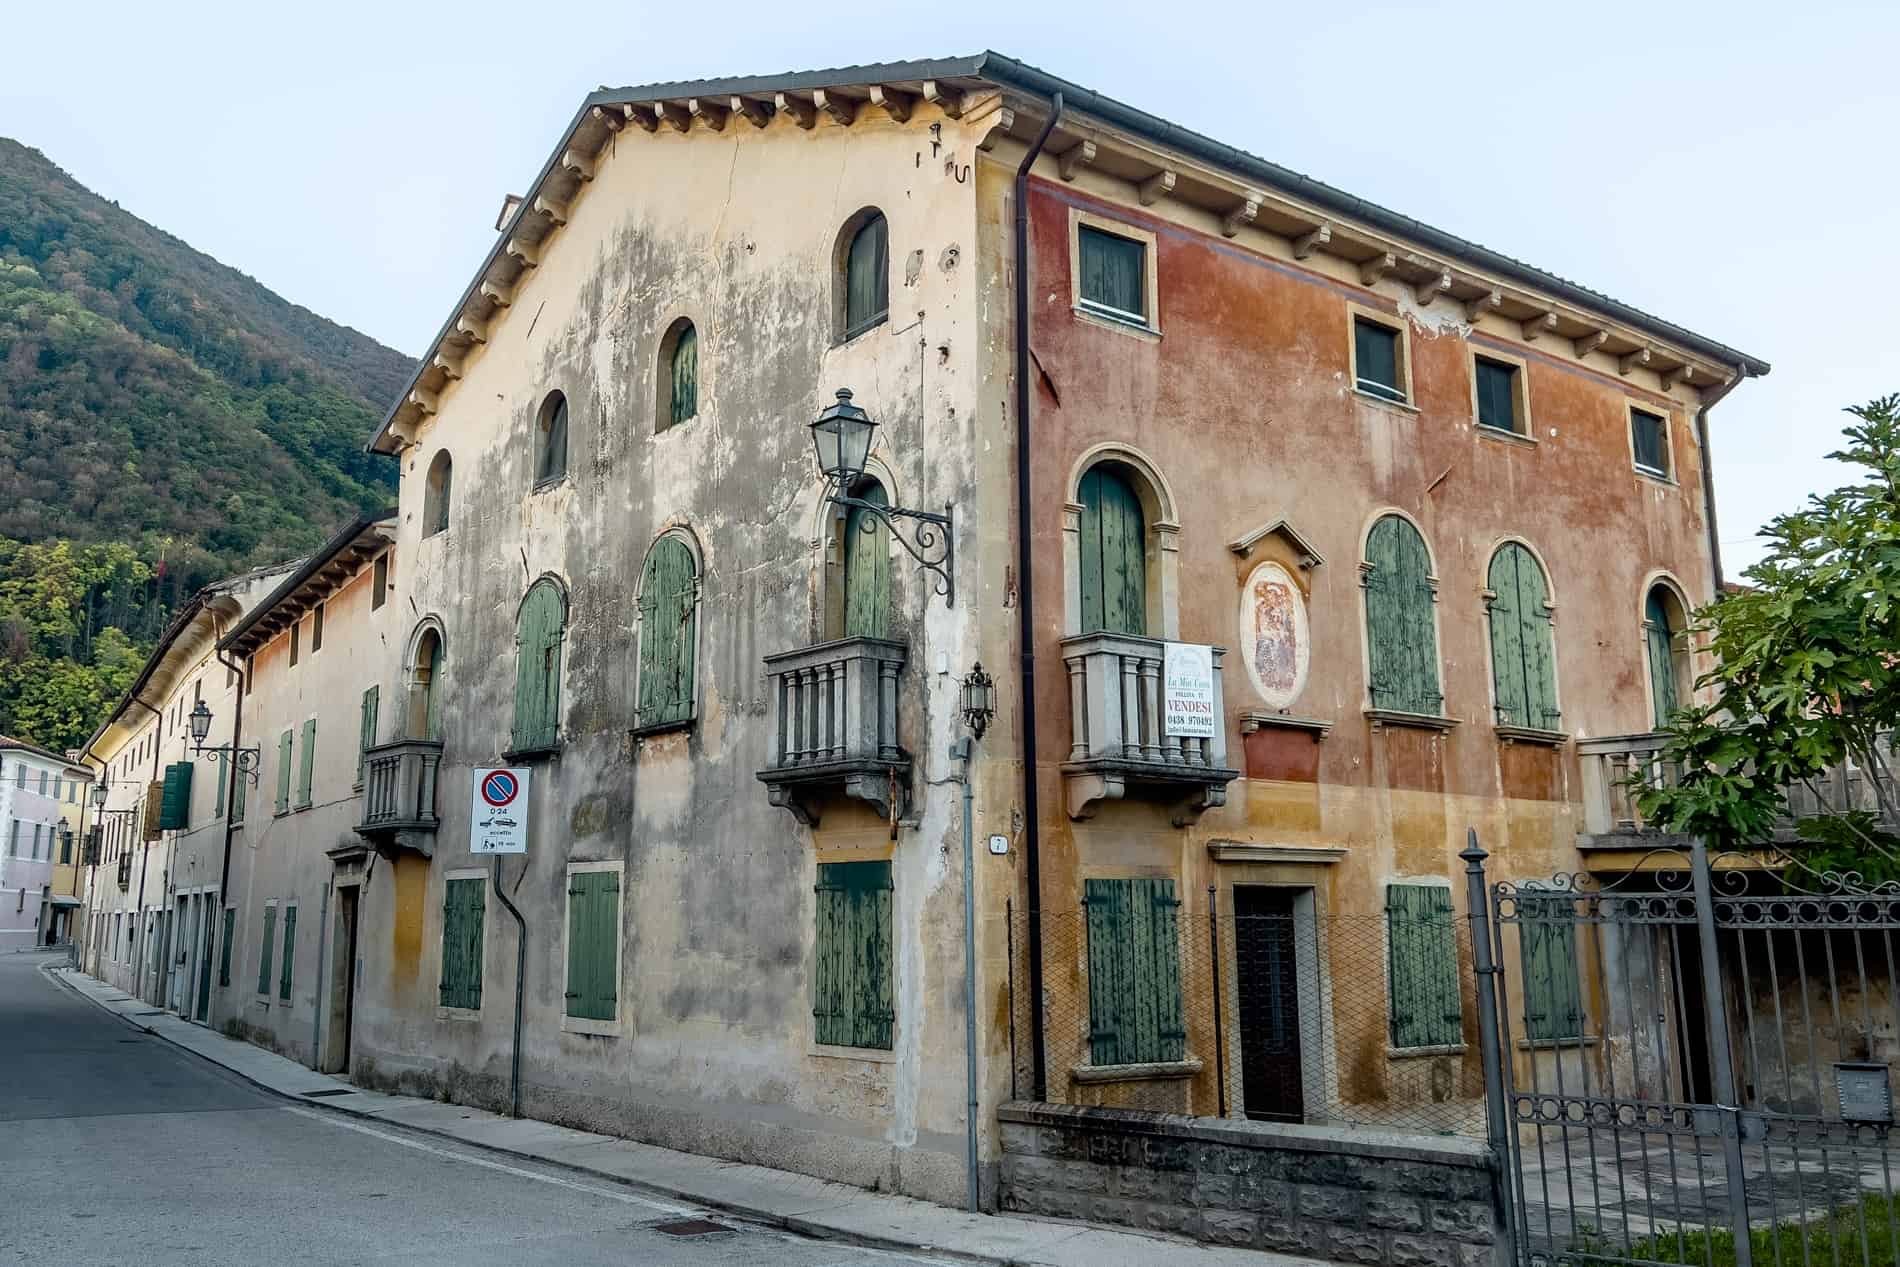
(835, 727)
(399, 780)
(1119, 745)
(1615, 766)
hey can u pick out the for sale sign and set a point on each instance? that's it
(498, 818)
(1187, 696)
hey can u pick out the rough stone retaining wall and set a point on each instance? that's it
(1349, 1196)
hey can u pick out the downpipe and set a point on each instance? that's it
(521, 983)
(962, 750)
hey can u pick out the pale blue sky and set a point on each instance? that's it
(1728, 166)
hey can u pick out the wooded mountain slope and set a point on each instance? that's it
(153, 398)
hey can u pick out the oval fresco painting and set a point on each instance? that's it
(1273, 634)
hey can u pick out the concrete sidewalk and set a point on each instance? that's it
(798, 1203)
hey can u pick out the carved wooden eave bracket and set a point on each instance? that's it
(1245, 544)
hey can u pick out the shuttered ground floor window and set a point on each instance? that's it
(1422, 957)
(290, 952)
(851, 981)
(264, 950)
(463, 904)
(1553, 990)
(224, 946)
(593, 945)
(1134, 957)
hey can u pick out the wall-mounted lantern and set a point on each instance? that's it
(842, 437)
(978, 700)
(243, 760)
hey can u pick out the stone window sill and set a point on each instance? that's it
(1150, 1071)
(467, 1015)
(1256, 721)
(1419, 1053)
(1655, 476)
(1490, 432)
(868, 1055)
(1404, 406)
(1555, 1044)
(1421, 721)
(661, 728)
(1531, 734)
(531, 754)
(585, 1025)
(1128, 324)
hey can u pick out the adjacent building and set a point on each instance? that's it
(42, 807)
(1304, 536)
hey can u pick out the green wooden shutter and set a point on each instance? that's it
(283, 773)
(1401, 636)
(217, 804)
(1114, 555)
(463, 909)
(593, 914)
(264, 951)
(372, 700)
(224, 946)
(1134, 963)
(538, 668)
(1523, 651)
(683, 400)
(1114, 273)
(1422, 956)
(307, 768)
(867, 281)
(432, 701)
(1553, 988)
(290, 952)
(174, 811)
(553, 436)
(667, 635)
(852, 1001)
(237, 798)
(1662, 658)
(867, 569)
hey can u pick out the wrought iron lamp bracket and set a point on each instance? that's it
(931, 542)
(244, 760)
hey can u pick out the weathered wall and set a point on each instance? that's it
(713, 1048)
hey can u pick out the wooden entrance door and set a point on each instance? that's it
(1266, 958)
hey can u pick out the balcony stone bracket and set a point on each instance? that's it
(835, 728)
(804, 792)
(1191, 792)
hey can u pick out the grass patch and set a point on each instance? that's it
(1860, 1232)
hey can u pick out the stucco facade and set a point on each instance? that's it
(42, 799)
(698, 848)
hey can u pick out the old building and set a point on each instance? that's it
(1311, 536)
(42, 801)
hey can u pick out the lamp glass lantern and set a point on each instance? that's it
(200, 720)
(978, 700)
(99, 794)
(842, 436)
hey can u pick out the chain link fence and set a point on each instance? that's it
(1270, 1010)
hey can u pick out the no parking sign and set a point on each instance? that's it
(498, 816)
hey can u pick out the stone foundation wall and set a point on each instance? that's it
(1348, 1196)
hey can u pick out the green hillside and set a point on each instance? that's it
(164, 421)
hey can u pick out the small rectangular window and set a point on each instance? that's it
(1553, 990)
(1134, 972)
(593, 945)
(1377, 368)
(1496, 383)
(264, 951)
(316, 630)
(462, 903)
(290, 952)
(296, 631)
(1114, 274)
(306, 772)
(1649, 438)
(851, 988)
(1422, 961)
(379, 582)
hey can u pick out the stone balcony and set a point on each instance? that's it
(834, 728)
(1119, 748)
(399, 782)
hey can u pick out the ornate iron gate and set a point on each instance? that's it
(1695, 1061)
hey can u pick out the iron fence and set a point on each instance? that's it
(1251, 1004)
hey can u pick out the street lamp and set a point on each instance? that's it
(978, 700)
(243, 760)
(841, 437)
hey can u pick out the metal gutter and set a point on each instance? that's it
(1710, 401)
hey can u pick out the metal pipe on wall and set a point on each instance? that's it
(963, 750)
(521, 982)
(1025, 598)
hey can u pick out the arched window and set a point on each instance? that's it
(1523, 653)
(867, 567)
(550, 440)
(1114, 554)
(669, 601)
(435, 495)
(539, 628)
(867, 276)
(1664, 621)
(1401, 634)
(425, 686)
(679, 375)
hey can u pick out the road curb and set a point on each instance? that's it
(794, 1223)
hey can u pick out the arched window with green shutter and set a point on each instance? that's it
(867, 567)
(669, 594)
(1401, 634)
(1523, 652)
(1114, 555)
(1662, 632)
(682, 369)
(867, 275)
(539, 629)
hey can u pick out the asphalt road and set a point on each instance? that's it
(117, 1148)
